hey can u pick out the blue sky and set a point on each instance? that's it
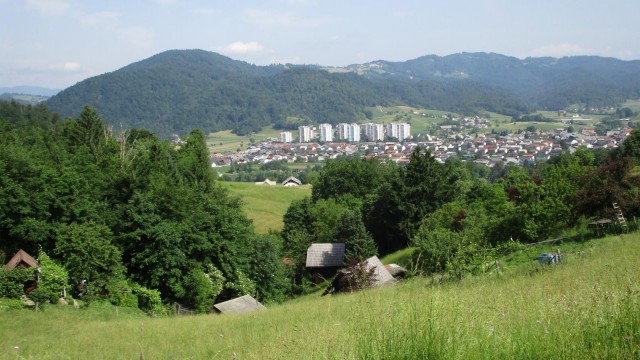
(57, 43)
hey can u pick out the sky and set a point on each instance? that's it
(57, 43)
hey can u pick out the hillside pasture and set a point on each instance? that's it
(588, 307)
(411, 115)
(265, 205)
(633, 104)
(226, 141)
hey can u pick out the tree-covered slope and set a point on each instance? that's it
(543, 82)
(179, 90)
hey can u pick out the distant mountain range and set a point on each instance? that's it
(27, 95)
(178, 90)
(29, 90)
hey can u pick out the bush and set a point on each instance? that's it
(11, 304)
(43, 295)
(12, 282)
(53, 278)
(121, 294)
(149, 300)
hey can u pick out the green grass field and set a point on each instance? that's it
(264, 204)
(586, 308)
(225, 141)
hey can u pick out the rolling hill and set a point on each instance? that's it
(178, 90)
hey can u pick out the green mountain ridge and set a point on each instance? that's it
(178, 90)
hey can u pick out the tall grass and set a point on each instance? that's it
(587, 307)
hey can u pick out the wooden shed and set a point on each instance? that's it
(241, 304)
(324, 260)
(325, 255)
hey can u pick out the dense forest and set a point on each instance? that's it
(179, 90)
(144, 223)
(127, 212)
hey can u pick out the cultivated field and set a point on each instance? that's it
(586, 308)
(265, 204)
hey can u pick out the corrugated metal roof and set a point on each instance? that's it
(241, 304)
(325, 255)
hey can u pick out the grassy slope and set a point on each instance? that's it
(589, 307)
(266, 205)
(225, 141)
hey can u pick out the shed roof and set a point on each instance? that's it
(325, 255)
(292, 179)
(21, 259)
(241, 304)
(382, 275)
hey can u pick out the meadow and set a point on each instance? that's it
(226, 141)
(265, 205)
(588, 307)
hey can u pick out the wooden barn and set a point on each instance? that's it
(324, 260)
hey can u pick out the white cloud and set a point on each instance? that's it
(71, 66)
(48, 7)
(559, 50)
(240, 47)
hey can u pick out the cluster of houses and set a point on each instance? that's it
(487, 149)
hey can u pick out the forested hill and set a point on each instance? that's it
(179, 90)
(546, 82)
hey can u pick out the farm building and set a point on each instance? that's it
(324, 260)
(241, 304)
(365, 274)
(325, 255)
(292, 181)
(266, 182)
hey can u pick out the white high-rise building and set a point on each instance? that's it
(326, 133)
(353, 133)
(374, 131)
(286, 137)
(306, 133)
(400, 131)
(349, 132)
(343, 131)
(391, 129)
(404, 131)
